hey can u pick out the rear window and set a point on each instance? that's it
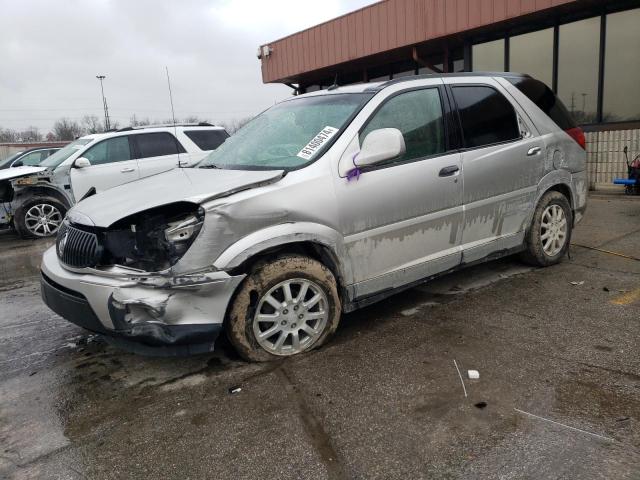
(207, 139)
(546, 100)
(157, 144)
(486, 116)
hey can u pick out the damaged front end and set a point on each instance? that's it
(124, 276)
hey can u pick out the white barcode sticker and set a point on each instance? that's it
(317, 142)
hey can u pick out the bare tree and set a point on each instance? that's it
(92, 124)
(30, 134)
(66, 129)
(234, 125)
(8, 135)
(134, 121)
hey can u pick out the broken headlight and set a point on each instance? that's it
(153, 240)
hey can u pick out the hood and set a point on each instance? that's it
(16, 172)
(195, 185)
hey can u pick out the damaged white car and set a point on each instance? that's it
(35, 199)
(324, 203)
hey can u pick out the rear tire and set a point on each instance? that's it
(549, 236)
(284, 307)
(39, 217)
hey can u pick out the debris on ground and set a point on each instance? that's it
(577, 283)
(473, 374)
(605, 289)
(234, 390)
(464, 389)
(480, 405)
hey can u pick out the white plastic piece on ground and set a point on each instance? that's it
(577, 283)
(473, 374)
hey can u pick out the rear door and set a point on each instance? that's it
(157, 152)
(502, 161)
(112, 164)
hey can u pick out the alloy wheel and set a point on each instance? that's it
(553, 230)
(43, 220)
(290, 317)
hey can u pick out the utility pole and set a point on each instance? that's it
(107, 123)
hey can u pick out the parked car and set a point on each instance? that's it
(324, 203)
(38, 197)
(30, 157)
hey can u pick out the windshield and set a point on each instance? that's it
(288, 135)
(9, 160)
(64, 153)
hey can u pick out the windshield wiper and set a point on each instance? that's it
(209, 166)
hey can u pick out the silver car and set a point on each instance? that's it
(322, 204)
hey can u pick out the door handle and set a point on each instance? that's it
(183, 163)
(448, 171)
(534, 151)
(127, 169)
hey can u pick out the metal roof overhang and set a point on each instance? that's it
(399, 30)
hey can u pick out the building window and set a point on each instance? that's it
(532, 53)
(622, 67)
(578, 60)
(488, 57)
(487, 117)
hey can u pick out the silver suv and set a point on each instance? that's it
(36, 198)
(323, 204)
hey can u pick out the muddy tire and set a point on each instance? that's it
(548, 239)
(39, 217)
(284, 307)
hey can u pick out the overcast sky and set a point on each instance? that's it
(51, 51)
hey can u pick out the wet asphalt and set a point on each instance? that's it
(558, 395)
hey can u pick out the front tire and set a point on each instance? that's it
(284, 307)
(548, 239)
(39, 217)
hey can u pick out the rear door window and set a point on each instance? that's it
(157, 144)
(207, 139)
(546, 100)
(418, 115)
(487, 117)
(108, 151)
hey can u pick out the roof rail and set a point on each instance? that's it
(445, 75)
(165, 125)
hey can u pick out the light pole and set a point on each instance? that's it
(107, 123)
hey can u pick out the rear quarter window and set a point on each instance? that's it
(486, 116)
(207, 139)
(546, 100)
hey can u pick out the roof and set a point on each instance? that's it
(391, 27)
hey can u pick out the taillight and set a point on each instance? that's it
(578, 135)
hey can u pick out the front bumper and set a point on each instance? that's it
(148, 314)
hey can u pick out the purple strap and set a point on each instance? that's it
(355, 171)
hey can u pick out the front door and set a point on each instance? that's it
(112, 164)
(402, 219)
(502, 163)
(158, 152)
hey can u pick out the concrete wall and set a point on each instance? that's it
(605, 156)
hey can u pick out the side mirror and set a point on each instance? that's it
(82, 162)
(381, 145)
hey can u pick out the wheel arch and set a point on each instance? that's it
(42, 191)
(319, 242)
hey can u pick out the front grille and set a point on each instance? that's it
(77, 248)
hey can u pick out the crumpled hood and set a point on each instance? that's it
(16, 172)
(195, 185)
